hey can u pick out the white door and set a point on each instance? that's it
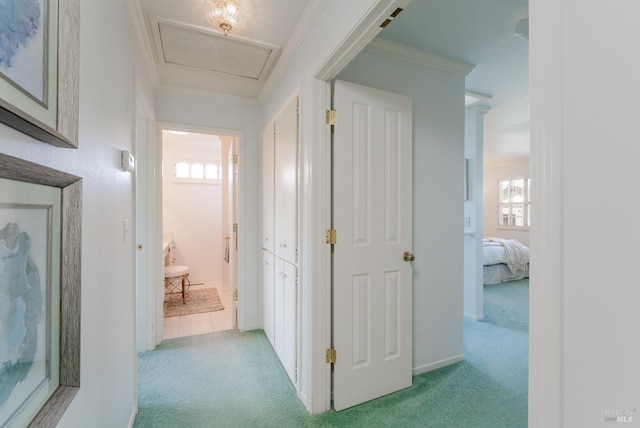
(268, 188)
(286, 182)
(290, 320)
(146, 287)
(372, 214)
(285, 315)
(233, 233)
(268, 295)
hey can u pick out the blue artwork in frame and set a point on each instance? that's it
(28, 338)
(23, 47)
(39, 65)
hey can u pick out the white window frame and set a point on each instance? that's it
(526, 220)
(200, 180)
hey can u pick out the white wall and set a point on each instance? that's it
(584, 301)
(492, 174)
(438, 155)
(107, 396)
(221, 112)
(192, 212)
(473, 212)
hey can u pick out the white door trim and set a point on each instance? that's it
(242, 237)
(315, 173)
(546, 306)
(145, 234)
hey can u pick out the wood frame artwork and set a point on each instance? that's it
(39, 67)
(33, 290)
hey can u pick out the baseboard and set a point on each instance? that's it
(305, 401)
(438, 364)
(250, 327)
(132, 419)
(474, 317)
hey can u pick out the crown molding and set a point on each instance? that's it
(206, 95)
(298, 35)
(478, 108)
(140, 30)
(420, 57)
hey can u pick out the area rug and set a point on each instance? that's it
(198, 301)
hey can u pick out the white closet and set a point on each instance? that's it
(280, 235)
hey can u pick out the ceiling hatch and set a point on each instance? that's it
(200, 48)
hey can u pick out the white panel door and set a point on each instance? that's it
(285, 315)
(286, 182)
(268, 171)
(372, 209)
(290, 320)
(268, 295)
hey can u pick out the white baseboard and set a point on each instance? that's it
(438, 364)
(474, 317)
(250, 327)
(132, 419)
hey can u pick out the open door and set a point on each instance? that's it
(231, 252)
(372, 216)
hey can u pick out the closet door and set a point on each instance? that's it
(290, 320)
(278, 308)
(286, 305)
(286, 182)
(268, 295)
(268, 184)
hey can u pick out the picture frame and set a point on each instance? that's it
(39, 66)
(44, 402)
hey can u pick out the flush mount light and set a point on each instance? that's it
(225, 15)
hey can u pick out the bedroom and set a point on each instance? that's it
(496, 153)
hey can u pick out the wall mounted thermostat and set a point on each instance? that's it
(128, 161)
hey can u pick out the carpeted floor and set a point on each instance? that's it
(233, 379)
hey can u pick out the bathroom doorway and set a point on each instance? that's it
(199, 211)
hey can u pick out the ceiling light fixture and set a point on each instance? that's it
(225, 15)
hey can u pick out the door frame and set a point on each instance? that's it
(240, 262)
(144, 194)
(315, 155)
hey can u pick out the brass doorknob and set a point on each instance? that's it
(139, 246)
(408, 257)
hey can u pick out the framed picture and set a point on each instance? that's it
(39, 69)
(40, 225)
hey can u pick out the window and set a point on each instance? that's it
(514, 206)
(197, 172)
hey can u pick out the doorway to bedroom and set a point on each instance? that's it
(199, 210)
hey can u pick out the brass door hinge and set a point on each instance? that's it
(331, 356)
(331, 117)
(332, 237)
(235, 295)
(235, 159)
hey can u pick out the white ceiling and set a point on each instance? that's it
(481, 33)
(477, 32)
(189, 53)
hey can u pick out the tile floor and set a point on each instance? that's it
(207, 322)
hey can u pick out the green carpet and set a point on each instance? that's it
(233, 379)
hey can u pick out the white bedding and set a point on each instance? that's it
(504, 260)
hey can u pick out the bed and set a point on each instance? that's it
(504, 260)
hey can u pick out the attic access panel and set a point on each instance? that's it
(204, 49)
